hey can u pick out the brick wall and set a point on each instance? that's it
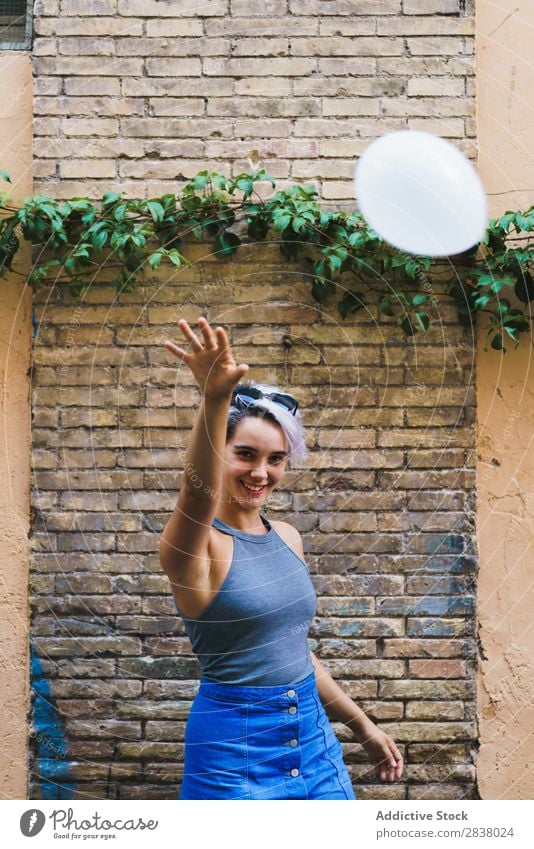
(385, 505)
(138, 95)
(386, 501)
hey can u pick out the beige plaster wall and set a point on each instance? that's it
(15, 339)
(505, 387)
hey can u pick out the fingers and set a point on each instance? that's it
(195, 342)
(222, 339)
(179, 352)
(396, 761)
(209, 335)
(215, 340)
(390, 766)
(399, 765)
(386, 770)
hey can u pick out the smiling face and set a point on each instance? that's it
(255, 460)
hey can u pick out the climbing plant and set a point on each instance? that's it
(74, 239)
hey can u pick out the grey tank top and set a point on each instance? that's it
(255, 629)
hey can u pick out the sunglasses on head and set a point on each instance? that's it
(246, 394)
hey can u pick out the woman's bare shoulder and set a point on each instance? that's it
(290, 535)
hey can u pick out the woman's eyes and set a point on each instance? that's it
(248, 454)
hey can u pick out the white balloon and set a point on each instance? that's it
(421, 194)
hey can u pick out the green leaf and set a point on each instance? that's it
(516, 319)
(321, 288)
(282, 221)
(349, 304)
(419, 299)
(156, 210)
(5, 176)
(110, 198)
(412, 267)
(496, 342)
(219, 181)
(169, 202)
(523, 222)
(263, 176)
(78, 287)
(138, 239)
(50, 210)
(422, 320)
(524, 288)
(118, 215)
(176, 258)
(483, 279)
(199, 181)
(258, 228)
(502, 307)
(505, 221)
(245, 185)
(89, 216)
(400, 296)
(334, 262)
(132, 263)
(385, 306)
(119, 240)
(407, 326)
(227, 243)
(155, 259)
(291, 245)
(357, 239)
(100, 239)
(81, 250)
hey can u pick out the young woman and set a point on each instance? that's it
(257, 728)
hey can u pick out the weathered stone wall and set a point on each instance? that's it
(385, 504)
(138, 95)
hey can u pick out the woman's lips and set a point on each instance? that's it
(252, 491)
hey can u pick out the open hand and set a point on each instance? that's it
(382, 751)
(213, 364)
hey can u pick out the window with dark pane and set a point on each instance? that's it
(15, 23)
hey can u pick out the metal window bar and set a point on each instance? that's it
(15, 24)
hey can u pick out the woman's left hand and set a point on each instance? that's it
(381, 749)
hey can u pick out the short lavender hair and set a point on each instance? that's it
(266, 409)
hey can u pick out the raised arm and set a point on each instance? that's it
(184, 542)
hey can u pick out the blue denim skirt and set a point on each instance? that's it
(262, 743)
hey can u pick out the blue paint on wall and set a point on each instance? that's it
(50, 744)
(35, 325)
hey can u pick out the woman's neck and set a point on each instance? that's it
(248, 521)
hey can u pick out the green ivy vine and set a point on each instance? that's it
(74, 239)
